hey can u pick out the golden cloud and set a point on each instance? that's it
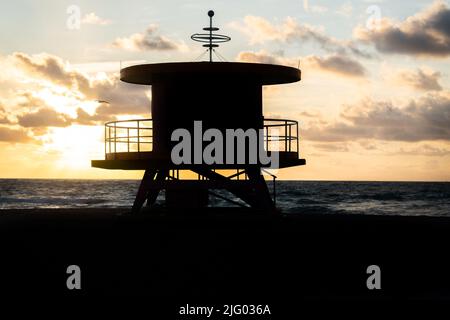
(426, 33)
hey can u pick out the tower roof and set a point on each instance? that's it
(263, 74)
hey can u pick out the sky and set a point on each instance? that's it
(373, 103)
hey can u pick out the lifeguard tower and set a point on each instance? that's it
(222, 95)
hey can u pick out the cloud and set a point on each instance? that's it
(345, 10)
(44, 117)
(314, 8)
(426, 119)
(14, 135)
(53, 69)
(123, 98)
(260, 30)
(106, 112)
(338, 64)
(308, 114)
(425, 150)
(425, 80)
(426, 33)
(263, 57)
(93, 19)
(149, 40)
(335, 63)
(3, 116)
(332, 147)
(317, 9)
(87, 119)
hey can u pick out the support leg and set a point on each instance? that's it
(262, 193)
(153, 192)
(143, 190)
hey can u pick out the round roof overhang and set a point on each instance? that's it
(263, 74)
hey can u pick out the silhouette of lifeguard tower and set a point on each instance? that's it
(223, 95)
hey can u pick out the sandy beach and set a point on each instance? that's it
(222, 254)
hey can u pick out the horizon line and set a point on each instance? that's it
(278, 180)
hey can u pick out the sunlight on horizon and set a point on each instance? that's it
(370, 106)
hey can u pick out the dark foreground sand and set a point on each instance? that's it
(223, 254)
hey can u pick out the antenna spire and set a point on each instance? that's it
(210, 40)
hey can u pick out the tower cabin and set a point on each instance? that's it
(202, 102)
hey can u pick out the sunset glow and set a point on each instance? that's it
(368, 107)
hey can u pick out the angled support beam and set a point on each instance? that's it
(257, 197)
(144, 187)
(218, 177)
(153, 192)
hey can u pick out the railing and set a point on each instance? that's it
(137, 136)
(128, 136)
(281, 135)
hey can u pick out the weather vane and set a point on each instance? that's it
(210, 39)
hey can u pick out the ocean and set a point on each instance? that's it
(371, 198)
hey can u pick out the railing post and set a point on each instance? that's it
(128, 139)
(138, 137)
(290, 136)
(285, 136)
(109, 138)
(298, 138)
(106, 140)
(274, 191)
(115, 140)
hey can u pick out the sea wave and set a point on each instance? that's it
(390, 198)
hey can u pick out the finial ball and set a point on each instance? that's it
(211, 13)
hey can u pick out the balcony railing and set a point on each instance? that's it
(128, 136)
(281, 135)
(137, 136)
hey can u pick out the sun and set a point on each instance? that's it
(76, 145)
